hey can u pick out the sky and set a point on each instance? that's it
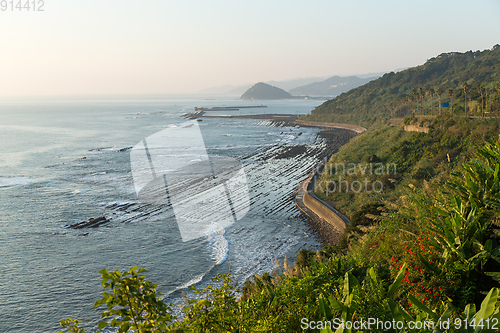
(76, 47)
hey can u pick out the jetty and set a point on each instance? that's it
(228, 108)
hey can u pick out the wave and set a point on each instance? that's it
(190, 282)
(114, 149)
(219, 246)
(217, 243)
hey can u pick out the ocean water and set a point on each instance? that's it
(66, 160)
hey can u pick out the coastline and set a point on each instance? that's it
(355, 128)
(326, 221)
(290, 120)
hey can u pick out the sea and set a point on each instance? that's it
(67, 162)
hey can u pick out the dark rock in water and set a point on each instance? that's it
(290, 151)
(90, 223)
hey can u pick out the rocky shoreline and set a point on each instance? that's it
(300, 157)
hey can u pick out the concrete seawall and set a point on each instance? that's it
(324, 212)
(355, 128)
(329, 223)
(314, 208)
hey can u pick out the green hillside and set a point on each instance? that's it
(399, 94)
(263, 90)
(388, 159)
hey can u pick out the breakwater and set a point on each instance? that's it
(229, 108)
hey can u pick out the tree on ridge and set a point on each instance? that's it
(481, 92)
(450, 93)
(466, 87)
(431, 93)
(439, 92)
(414, 93)
(422, 95)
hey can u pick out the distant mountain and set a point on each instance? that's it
(377, 75)
(239, 90)
(294, 83)
(287, 85)
(228, 89)
(263, 90)
(333, 86)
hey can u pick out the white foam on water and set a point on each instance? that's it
(117, 149)
(191, 282)
(116, 203)
(217, 242)
(220, 249)
(7, 182)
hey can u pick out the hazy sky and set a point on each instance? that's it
(153, 46)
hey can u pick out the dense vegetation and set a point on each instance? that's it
(398, 158)
(470, 81)
(263, 90)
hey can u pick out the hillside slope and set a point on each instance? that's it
(399, 94)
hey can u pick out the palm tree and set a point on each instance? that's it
(481, 92)
(439, 92)
(414, 93)
(466, 87)
(421, 93)
(450, 93)
(431, 92)
(409, 100)
(488, 93)
(498, 88)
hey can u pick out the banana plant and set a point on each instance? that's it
(352, 298)
(486, 320)
(464, 225)
(460, 236)
(440, 323)
(347, 306)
